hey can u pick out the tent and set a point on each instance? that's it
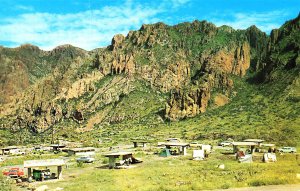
(165, 153)
(207, 148)
(246, 159)
(198, 154)
(269, 157)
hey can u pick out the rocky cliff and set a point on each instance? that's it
(27, 64)
(157, 73)
(186, 65)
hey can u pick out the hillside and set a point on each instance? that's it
(192, 80)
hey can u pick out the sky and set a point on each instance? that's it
(91, 24)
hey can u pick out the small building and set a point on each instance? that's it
(31, 164)
(85, 151)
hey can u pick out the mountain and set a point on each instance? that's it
(152, 76)
(25, 65)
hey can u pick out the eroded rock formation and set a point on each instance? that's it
(191, 62)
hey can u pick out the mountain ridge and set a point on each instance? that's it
(158, 73)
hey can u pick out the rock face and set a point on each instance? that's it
(184, 68)
(195, 101)
(281, 51)
(24, 66)
(117, 41)
(188, 60)
(174, 59)
(258, 41)
(216, 69)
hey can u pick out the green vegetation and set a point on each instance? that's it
(142, 60)
(6, 184)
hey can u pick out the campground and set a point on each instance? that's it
(175, 173)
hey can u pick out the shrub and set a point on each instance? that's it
(257, 183)
(5, 184)
(275, 181)
(105, 161)
(225, 186)
(79, 164)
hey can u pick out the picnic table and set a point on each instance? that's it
(136, 142)
(113, 156)
(182, 146)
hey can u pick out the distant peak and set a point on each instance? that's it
(28, 46)
(155, 25)
(253, 27)
(226, 28)
(66, 47)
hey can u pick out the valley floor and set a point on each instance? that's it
(180, 173)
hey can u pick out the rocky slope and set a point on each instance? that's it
(154, 74)
(27, 64)
(189, 66)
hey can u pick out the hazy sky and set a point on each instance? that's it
(91, 24)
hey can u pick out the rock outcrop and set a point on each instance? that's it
(258, 41)
(215, 69)
(193, 64)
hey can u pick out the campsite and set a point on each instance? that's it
(136, 95)
(159, 167)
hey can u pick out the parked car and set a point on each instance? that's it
(14, 172)
(288, 150)
(225, 143)
(85, 159)
(17, 152)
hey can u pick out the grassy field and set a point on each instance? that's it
(180, 173)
